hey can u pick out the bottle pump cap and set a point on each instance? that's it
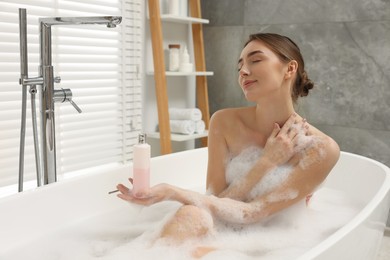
(142, 138)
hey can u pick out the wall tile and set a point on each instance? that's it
(350, 71)
(223, 12)
(222, 50)
(304, 11)
(353, 84)
(370, 143)
(373, 38)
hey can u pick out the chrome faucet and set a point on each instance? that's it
(48, 94)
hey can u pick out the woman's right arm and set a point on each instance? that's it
(218, 156)
(280, 147)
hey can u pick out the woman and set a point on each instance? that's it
(271, 74)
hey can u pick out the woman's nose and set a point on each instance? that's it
(244, 71)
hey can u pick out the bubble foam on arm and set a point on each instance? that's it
(224, 209)
(240, 188)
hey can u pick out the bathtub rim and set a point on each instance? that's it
(357, 220)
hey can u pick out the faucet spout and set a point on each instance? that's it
(110, 21)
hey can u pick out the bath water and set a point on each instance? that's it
(128, 232)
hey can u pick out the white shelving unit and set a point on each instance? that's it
(191, 86)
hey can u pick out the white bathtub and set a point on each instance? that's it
(31, 216)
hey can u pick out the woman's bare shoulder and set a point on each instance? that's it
(326, 148)
(230, 115)
(223, 118)
(230, 112)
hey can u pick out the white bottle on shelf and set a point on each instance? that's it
(174, 57)
(173, 7)
(184, 8)
(185, 64)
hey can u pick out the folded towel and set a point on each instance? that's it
(186, 127)
(193, 114)
(200, 127)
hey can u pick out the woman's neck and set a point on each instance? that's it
(268, 113)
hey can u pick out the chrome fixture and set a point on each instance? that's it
(45, 154)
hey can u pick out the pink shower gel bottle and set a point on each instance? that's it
(141, 165)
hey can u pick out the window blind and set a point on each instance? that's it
(102, 66)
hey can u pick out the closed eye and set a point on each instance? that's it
(239, 65)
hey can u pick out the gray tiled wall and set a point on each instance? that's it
(346, 47)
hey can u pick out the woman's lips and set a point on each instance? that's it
(248, 83)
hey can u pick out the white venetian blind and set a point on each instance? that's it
(100, 65)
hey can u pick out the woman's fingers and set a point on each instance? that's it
(286, 141)
(298, 128)
(294, 126)
(302, 139)
(123, 189)
(126, 197)
(289, 123)
(276, 130)
(293, 131)
(146, 197)
(126, 194)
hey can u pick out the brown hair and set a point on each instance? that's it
(287, 50)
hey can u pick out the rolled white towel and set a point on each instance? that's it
(200, 127)
(193, 114)
(186, 127)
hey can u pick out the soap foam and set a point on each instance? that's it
(285, 195)
(230, 211)
(239, 166)
(289, 233)
(271, 180)
(130, 233)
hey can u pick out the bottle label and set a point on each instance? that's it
(141, 179)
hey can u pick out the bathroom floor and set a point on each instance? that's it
(384, 252)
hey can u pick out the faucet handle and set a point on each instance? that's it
(62, 95)
(75, 106)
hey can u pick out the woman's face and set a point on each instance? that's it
(261, 73)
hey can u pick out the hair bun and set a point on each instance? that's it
(306, 85)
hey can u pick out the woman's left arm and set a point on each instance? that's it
(225, 209)
(301, 182)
